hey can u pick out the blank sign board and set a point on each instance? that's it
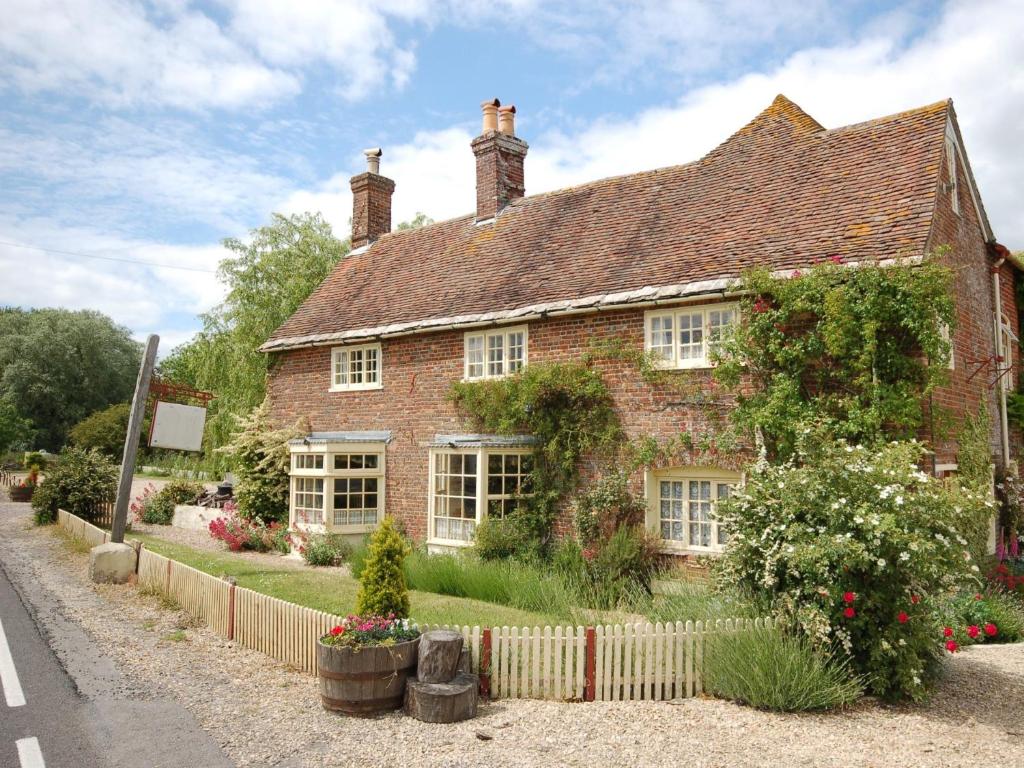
(179, 427)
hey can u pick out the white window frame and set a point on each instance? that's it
(674, 317)
(347, 351)
(486, 338)
(1007, 341)
(481, 496)
(329, 474)
(713, 475)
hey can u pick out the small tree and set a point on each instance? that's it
(77, 483)
(260, 452)
(103, 430)
(382, 588)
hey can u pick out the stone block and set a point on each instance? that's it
(112, 563)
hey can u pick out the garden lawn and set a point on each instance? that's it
(335, 592)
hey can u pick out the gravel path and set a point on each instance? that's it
(265, 715)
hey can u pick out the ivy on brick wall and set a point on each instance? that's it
(567, 408)
(852, 351)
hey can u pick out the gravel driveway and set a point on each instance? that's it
(266, 715)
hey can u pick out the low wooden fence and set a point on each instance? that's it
(603, 663)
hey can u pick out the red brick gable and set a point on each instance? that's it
(780, 192)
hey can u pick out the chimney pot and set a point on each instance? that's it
(507, 120)
(490, 110)
(373, 159)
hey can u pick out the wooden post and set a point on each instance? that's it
(589, 689)
(231, 612)
(485, 664)
(131, 440)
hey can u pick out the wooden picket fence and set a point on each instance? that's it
(620, 662)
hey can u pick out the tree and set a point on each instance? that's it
(104, 430)
(15, 432)
(58, 366)
(266, 280)
(417, 221)
(382, 588)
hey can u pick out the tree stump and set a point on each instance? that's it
(442, 702)
(439, 655)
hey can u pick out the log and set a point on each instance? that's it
(442, 702)
(438, 656)
(465, 662)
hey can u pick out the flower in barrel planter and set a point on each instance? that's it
(363, 663)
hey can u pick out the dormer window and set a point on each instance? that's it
(355, 368)
(689, 337)
(495, 353)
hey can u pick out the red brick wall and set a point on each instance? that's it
(973, 341)
(418, 371)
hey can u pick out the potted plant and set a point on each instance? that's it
(363, 664)
(23, 491)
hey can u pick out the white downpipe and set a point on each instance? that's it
(1004, 426)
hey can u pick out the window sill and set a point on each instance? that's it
(352, 529)
(679, 549)
(449, 543)
(362, 388)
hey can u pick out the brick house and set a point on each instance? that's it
(649, 258)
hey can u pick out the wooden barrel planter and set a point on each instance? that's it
(22, 492)
(367, 680)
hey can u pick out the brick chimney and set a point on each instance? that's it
(499, 160)
(371, 202)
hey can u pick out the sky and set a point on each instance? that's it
(135, 136)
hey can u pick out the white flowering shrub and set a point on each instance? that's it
(854, 548)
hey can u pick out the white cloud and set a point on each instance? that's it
(969, 55)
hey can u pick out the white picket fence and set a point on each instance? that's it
(620, 662)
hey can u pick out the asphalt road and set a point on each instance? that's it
(79, 711)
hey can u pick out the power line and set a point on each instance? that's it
(108, 258)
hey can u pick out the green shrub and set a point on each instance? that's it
(34, 459)
(500, 538)
(78, 483)
(262, 462)
(357, 557)
(382, 589)
(607, 506)
(767, 669)
(329, 549)
(995, 607)
(618, 568)
(103, 430)
(158, 508)
(850, 546)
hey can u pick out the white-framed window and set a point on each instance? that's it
(1008, 340)
(308, 500)
(355, 368)
(337, 487)
(495, 353)
(468, 485)
(952, 185)
(682, 504)
(689, 337)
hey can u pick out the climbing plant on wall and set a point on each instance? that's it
(853, 350)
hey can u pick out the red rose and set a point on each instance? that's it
(973, 631)
(977, 596)
(947, 631)
(902, 617)
(952, 647)
(991, 630)
(849, 613)
(849, 597)
(337, 631)
(915, 599)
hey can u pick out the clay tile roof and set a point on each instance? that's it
(779, 192)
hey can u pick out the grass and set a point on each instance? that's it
(177, 636)
(335, 593)
(769, 670)
(74, 543)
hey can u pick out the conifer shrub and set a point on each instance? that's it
(382, 587)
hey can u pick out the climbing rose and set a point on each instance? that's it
(947, 631)
(902, 617)
(849, 613)
(952, 646)
(972, 631)
(990, 629)
(915, 599)
(849, 597)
